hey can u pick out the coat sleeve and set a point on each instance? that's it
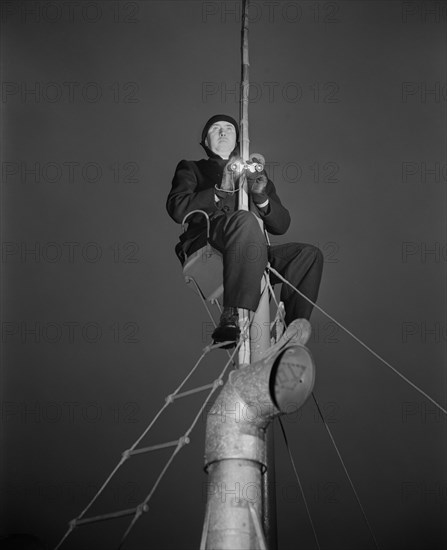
(275, 216)
(184, 195)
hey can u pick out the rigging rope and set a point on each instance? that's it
(345, 470)
(376, 355)
(182, 441)
(272, 292)
(143, 506)
(205, 305)
(299, 484)
(80, 520)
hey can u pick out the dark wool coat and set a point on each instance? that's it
(193, 188)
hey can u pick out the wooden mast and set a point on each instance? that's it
(243, 202)
(259, 334)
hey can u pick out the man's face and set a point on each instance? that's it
(221, 138)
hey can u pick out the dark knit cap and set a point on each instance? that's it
(217, 118)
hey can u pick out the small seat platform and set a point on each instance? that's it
(205, 267)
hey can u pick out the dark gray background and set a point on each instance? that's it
(74, 399)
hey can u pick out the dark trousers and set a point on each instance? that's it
(245, 255)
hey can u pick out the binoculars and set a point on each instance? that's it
(251, 165)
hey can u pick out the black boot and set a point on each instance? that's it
(228, 329)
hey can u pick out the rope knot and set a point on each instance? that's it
(184, 440)
(141, 508)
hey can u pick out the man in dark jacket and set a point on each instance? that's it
(211, 185)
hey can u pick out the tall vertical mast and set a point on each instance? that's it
(257, 339)
(244, 89)
(243, 204)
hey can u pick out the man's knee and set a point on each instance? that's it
(313, 257)
(299, 251)
(246, 237)
(245, 227)
(241, 218)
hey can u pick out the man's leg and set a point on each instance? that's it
(302, 265)
(240, 239)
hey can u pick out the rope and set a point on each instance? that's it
(257, 525)
(272, 294)
(184, 440)
(204, 302)
(279, 309)
(299, 483)
(129, 452)
(346, 472)
(376, 355)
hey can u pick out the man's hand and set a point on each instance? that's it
(257, 182)
(230, 176)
